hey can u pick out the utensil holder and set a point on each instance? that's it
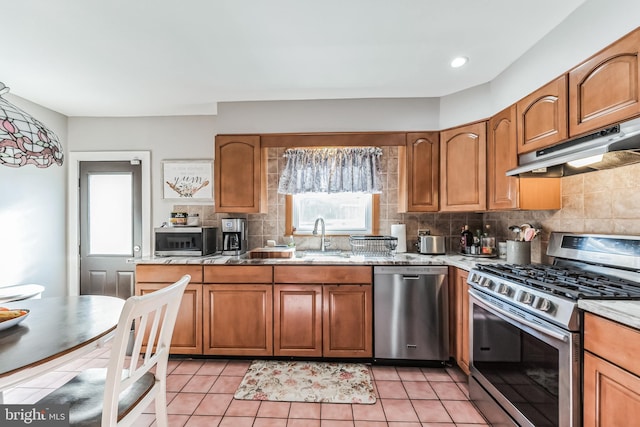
(518, 252)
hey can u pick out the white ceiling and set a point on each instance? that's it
(160, 57)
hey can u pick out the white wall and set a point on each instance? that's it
(32, 215)
(167, 138)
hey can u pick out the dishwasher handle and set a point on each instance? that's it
(410, 277)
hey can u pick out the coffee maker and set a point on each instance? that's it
(234, 236)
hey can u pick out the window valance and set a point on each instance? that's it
(331, 170)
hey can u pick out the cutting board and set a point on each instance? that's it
(272, 252)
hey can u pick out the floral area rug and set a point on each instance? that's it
(298, 381)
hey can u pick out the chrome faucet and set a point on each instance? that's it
(322, 236)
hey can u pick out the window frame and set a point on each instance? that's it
(375, 217)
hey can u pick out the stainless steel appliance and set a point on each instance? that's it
(525, 328)
(185, 241)
(234, 236)
(430, 245)
(411, 313)
(607, 148)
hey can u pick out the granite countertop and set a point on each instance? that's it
(626, 312)
(456, 260)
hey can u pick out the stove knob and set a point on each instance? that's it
(544, 304)
(473, 278)
(526, 298)
(485, 283)
(504, 289)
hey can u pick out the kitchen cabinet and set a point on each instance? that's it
(240, 174)
(333, 305)
(463, 166)
(611, 378)
(461, 319)
(419, 173)
(605, 89)
(187, 333)
(238, 307)
(297, 320)
(542, 116)
(510, 192)
(347, 320)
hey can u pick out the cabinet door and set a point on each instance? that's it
(419, 173)
(187, 333)
(297, 320)
(502, 155)
(347, 324)
(238, 320)
(542, 116)
(462, 320)
(240, 174)
(611, 394)
(605, 89)
(463, 166)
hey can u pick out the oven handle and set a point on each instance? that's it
(532, 325)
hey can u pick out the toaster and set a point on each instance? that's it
(430, 245)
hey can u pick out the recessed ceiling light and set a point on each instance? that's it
(459, 61)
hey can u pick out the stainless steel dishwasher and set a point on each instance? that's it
(411, 312)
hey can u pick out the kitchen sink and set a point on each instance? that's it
(329, 253)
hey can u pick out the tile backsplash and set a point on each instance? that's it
(606, 201)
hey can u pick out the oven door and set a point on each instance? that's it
(524, 370)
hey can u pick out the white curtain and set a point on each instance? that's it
(331, 170)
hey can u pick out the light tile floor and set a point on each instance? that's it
(200, 393)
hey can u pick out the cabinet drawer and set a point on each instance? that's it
(321, 274)
(160, 273)
(610, 340)
(238, 274)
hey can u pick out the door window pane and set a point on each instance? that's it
(110, 214)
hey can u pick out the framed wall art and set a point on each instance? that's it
(190, 180)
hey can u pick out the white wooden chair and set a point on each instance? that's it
(117, 395)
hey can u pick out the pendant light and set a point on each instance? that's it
(25, 140)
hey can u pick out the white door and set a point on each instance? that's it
(110, 226)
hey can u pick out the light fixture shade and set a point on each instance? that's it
(25, 140)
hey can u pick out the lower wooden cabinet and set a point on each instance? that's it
(611, 376)
(316, 311)
(459, 278)
(297, 329)
(187, 333)
(238, 310)
(347, 321)
(332, 320)
(238, 320)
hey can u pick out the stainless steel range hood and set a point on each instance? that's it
(615, 146)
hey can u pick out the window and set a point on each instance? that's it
(343, 213)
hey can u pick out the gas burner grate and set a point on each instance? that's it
(570, 283)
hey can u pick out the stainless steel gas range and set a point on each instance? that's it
(525, 327)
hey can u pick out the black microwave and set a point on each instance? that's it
(185, 241)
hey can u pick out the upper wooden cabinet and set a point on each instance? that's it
(463, 165)
(419, 173)
(542, 116)
(509, 192)
(240, 174)
(605, 89)
(502, 156)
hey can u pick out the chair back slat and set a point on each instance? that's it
(160, 309)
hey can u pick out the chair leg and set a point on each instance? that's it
(162, 419)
